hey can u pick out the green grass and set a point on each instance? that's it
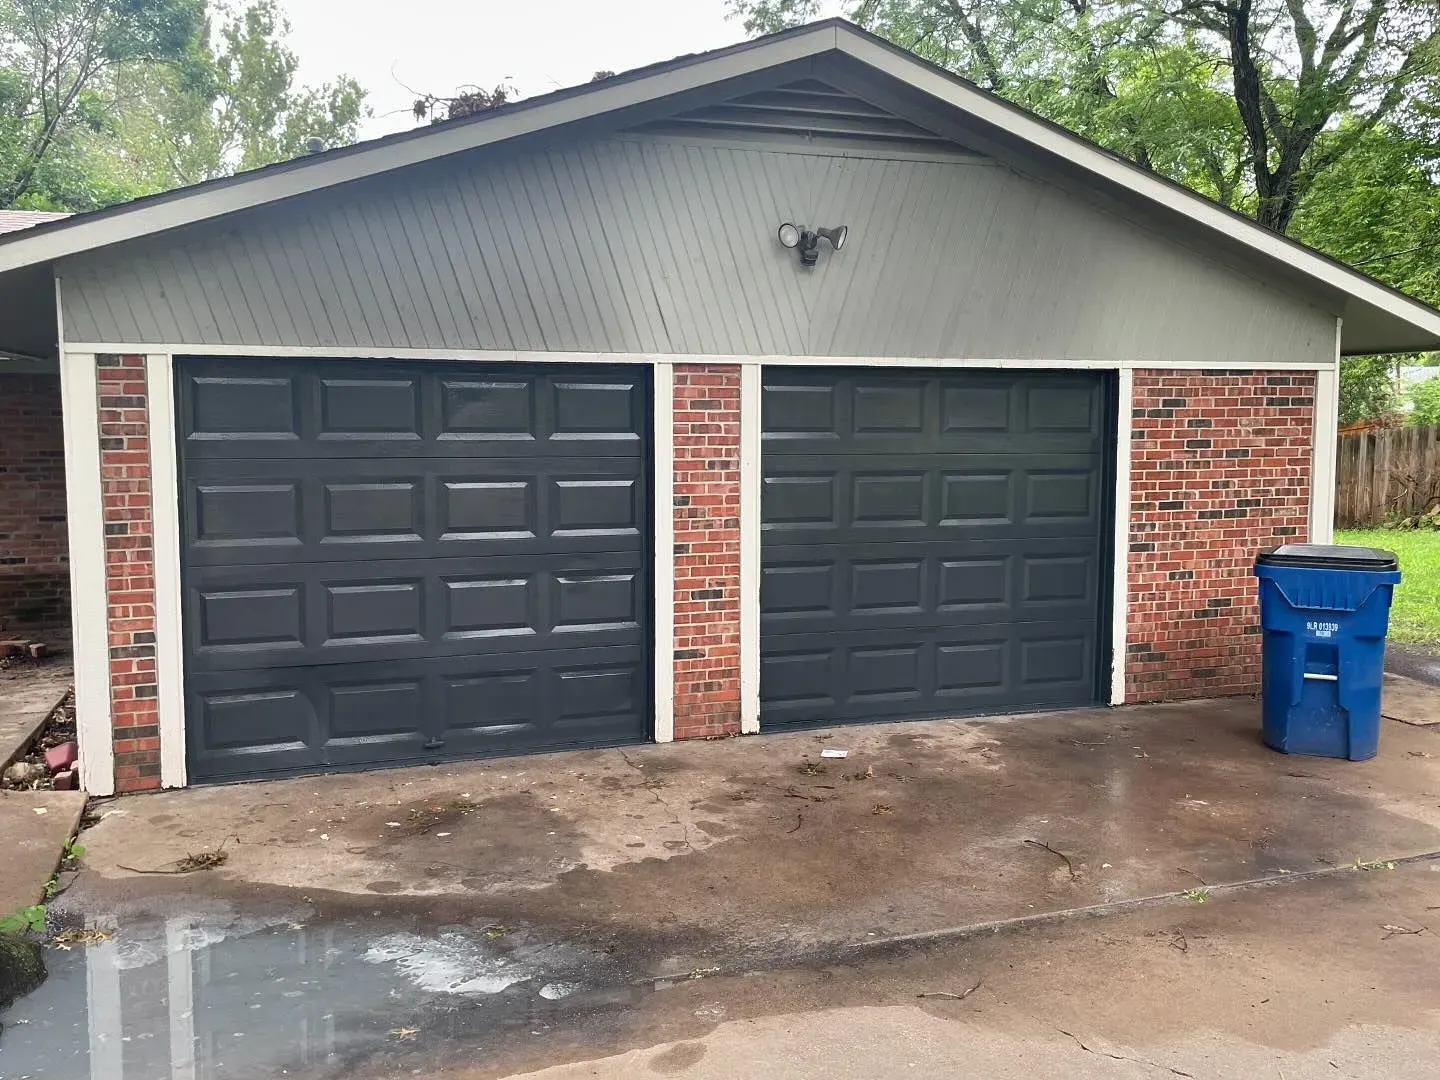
(1415, 615)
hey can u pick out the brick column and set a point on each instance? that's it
(707, 550)
(1220, 467)
(129, 569)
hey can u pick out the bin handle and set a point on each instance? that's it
(1320, 677)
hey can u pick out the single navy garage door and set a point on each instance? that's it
(934, 543)
(388, 563)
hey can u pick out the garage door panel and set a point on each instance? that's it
(826, 678)
(385, 511)
(262, 722)
(369, 408)
(390, 563)
(484, 409)
(254, 512)
(330, 613)
(590, 696)
(1060, 405)
(814, 410)
(228, 408)
(244, 512)
(805, 589)
(850, 499)
(931, 542)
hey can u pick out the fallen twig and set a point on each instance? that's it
(202, 860)
(952, 997)
(94, 935)
(1396, 931)
(1059, 854)
(799, 820)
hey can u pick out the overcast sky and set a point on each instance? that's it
(435, 46)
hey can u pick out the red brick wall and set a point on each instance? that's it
(129, 569)
(707, 550)
(1220, 467)
(34, 562)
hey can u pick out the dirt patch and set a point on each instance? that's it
(509, 841)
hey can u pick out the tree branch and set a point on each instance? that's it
(1306, 39)
(976, 37)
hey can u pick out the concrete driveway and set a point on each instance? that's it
(1137, 892)
(749, 850)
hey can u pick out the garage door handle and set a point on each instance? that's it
(435, 744)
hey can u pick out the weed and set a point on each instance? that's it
(1198, 896)
(26, 918)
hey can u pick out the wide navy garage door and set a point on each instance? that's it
(389, 563)
(934, 543)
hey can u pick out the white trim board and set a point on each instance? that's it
(751, 479)
(89, 610)
(662, 440)
(1325, 442)
(165, 538)
(1120, 567)
(511, 356)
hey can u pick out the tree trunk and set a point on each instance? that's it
(1275, 212)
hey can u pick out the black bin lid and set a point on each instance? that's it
(1329, 557)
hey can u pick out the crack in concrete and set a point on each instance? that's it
(1122, 1057)
(655, 794)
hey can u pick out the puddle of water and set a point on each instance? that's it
(188, 999)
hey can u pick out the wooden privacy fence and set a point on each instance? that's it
(1386, 471)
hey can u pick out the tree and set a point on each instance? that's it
(1425, 403)
(1378, 209)
(1367, 389)
(104, 100)
(1297, 67)
(235, 106)
(1142, 76)
(56, 58)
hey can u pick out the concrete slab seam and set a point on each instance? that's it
(1021, 922)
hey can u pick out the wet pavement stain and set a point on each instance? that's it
(256, 997)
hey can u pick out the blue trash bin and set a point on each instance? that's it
(1324, 612)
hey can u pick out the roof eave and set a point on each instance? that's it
(1409, 318)
(47, 243)
(1386, 315)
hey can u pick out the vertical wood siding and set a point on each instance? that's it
(666, 245)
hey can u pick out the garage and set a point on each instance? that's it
(933, 543)
(386, 563)
(790, 384)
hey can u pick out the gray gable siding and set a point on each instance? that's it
(654, 244)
